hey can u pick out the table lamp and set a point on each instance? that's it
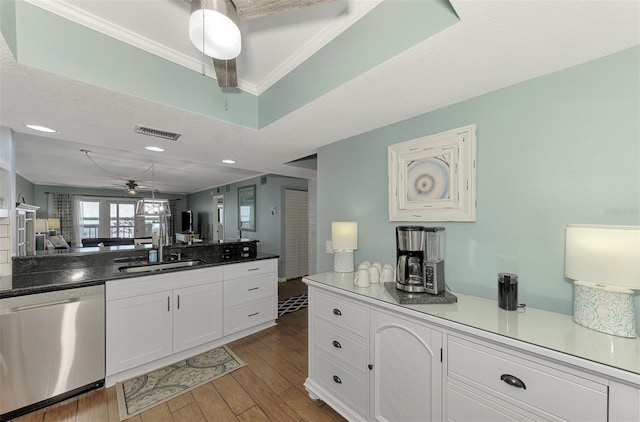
(604, 262)
(54, 226)
(42, 226)
(344, 240)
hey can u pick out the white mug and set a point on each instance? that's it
(364, 264)
(378, 266)
(387, 274)
(374, 274)
(362, 278)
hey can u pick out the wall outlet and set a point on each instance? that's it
(329, 247)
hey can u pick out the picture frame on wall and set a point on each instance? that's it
(433, 178)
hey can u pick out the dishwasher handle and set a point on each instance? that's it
(42, 305)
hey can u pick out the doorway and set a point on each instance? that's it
(218, 217)
(296, 235)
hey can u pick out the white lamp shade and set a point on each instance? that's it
(41, 225)
(344, 236)
(54, 223)
(608, 255)
(221, 35)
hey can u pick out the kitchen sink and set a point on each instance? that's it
(159, 266)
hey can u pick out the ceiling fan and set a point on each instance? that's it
(214, 31)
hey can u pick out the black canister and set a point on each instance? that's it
(508, 291)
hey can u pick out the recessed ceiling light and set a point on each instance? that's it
(41, 128)
(154, 149)
(228, 161)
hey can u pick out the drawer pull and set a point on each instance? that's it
(337, 344)
(514, 381)
(253, 314)
(336, 311)
(337, 379)
(253, 288)
(253, 269)
(370, 366)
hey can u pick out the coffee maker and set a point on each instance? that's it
(420, 259)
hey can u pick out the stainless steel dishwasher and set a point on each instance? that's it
(52, 347)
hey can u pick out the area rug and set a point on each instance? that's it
(292, 304)
(141, 393)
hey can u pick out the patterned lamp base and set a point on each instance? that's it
(603, 308)
(343, 262)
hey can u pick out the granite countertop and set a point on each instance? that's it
(549, 330)
(60, 279)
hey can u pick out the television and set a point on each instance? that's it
(187, 222)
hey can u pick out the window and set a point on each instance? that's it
(122, 219)
(89, 219)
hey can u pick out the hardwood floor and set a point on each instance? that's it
(269, 388)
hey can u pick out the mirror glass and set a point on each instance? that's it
(247, 208)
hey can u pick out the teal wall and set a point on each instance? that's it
(27, 189)
(269, 228)
(559, 149)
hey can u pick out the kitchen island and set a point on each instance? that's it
(373, 358)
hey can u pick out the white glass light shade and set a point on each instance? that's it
(608, 255)
(344, 236)
(222, 39)
(153, 207)
(41, 225)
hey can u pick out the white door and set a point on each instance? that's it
(407, 370)
(296, 235)
(197, 315)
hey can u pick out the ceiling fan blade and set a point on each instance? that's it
(249, 9)
(226, 72)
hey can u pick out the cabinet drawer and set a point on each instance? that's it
(238, 318)
(545, 388)
(465, 405)
(247, 269)
(351, 349)
(344, 385)
(248, 289)
(342, 313)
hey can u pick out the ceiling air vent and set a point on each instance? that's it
(157, 133)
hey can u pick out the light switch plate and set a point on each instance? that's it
(329, 247)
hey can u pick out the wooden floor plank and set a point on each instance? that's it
(233, 394)
(271, 404)
(282, 363)
(189, 413)
(307, 408)
(112, 405)
(160, 413)
(62, 412)
(212, 405)
(93, 406)
(180, 401)
(37, 416)
(267, 374)
(255, 414)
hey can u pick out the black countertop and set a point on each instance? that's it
(79, 276)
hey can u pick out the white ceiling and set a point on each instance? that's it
(496, 44)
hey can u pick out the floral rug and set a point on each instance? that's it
(141, 393)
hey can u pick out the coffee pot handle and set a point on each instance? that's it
(402, 265)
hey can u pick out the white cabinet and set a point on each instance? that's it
(154, 316)
(370, 364)
(250, 294)
(501, 378)
(407, 370)
(25, 241)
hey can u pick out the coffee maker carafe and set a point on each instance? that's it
(420, 254)
(410, 253)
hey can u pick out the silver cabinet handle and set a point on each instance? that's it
(253, 314)
(513, 381)
(336, 311)
(337, 379)
(168, 304)
(253, 269)
(253, 288)
(337, 344)
(178, 301)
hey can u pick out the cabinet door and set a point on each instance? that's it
(138, 330)
(407, 377)
(197, 316)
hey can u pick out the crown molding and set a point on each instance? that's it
(96, 23)
(357, 10)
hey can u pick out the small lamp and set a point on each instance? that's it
(42, 226)
(54, 226)
(604, 262)
(344, 240)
